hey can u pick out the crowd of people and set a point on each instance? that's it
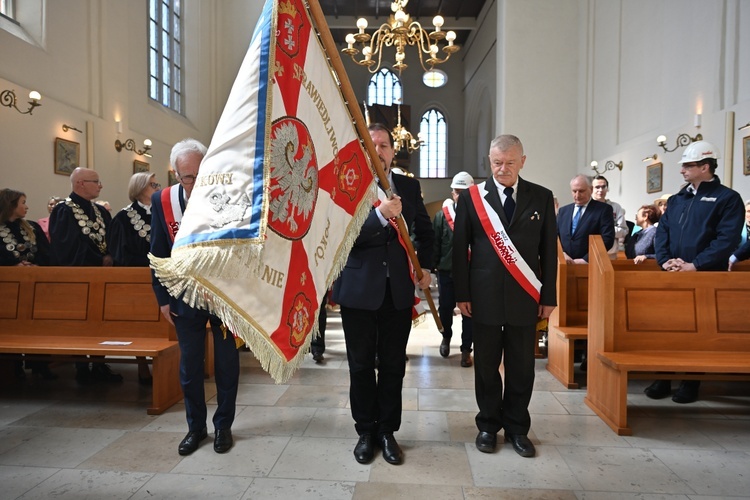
(492, 245)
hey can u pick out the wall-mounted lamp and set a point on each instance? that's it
(747, 125)
(653, 157)
(8, 99)
(610, 165)
(682, 140)
(67, 127)
(129, 145)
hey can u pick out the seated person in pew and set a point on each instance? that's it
(641, 245)
(78, 237)
(24, 244)
(698, 233)
(130, 236)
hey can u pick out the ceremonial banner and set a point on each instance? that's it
(280, 196)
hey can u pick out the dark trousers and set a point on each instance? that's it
(376, 401)
(191, 335)
(446, 305)
(318, 344)
(509, 411)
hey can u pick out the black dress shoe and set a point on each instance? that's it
(317, 356)
(522, 444)
(365, 449)
(191, 441)
(445, 347)
(223, 440)
(688, 392)
(391, 450)
(659, 389)
(486, 442)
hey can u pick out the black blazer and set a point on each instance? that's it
(161, 246)
(597, 219)
(482, 279)
(377, 254)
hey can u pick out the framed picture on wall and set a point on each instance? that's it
(653, 178)
(67, 156)
(746, 155)
(171, 178)
(140, 166)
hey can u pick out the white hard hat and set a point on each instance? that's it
(462, 180)
(699, 150)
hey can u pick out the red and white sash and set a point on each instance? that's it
(170, 202)
(418, 308)
(501, 242)
(449, 210)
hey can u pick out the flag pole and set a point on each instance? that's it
(351, 102)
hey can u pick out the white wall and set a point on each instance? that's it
(652, 66)
(90, 65)
(538, 63)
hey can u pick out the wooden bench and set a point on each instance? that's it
(647, 323)
(71, 311)
(569, 320)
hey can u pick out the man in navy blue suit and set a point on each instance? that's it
(376, 293)
(167, 207)
(582, 218)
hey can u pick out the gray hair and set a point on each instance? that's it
(505, 142)
(138, 182)
(184, 148)
(586, 179)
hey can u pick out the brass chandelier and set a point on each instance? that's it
(402, 138)
(399, 32)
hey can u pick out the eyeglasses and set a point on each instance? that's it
(187, 179)
(96, 181)
(691, 165)
(155, 185)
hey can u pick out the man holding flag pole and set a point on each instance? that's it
(376, 293)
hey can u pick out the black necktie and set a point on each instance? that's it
(510, 205)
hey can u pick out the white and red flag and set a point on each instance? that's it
(280, 196)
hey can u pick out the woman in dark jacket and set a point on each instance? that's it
(23, 244)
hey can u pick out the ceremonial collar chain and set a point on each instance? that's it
(94, 230)
(140, 226)
(12, 245)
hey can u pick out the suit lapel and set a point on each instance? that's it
(493, 198)
(523, 198)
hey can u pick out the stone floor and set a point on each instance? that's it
(295, 441)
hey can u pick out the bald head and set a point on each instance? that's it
(85, 183)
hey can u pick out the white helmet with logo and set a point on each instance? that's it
(462, 180)
(699, 150)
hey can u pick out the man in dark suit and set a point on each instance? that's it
(167, 207)
(506, 285)
(376, 293)
(582, 218)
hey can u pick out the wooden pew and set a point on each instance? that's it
(70, 311)
(569, 320)
(652, 324)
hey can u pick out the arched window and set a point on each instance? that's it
(165, 53)
(433, 153)
(384, 88)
